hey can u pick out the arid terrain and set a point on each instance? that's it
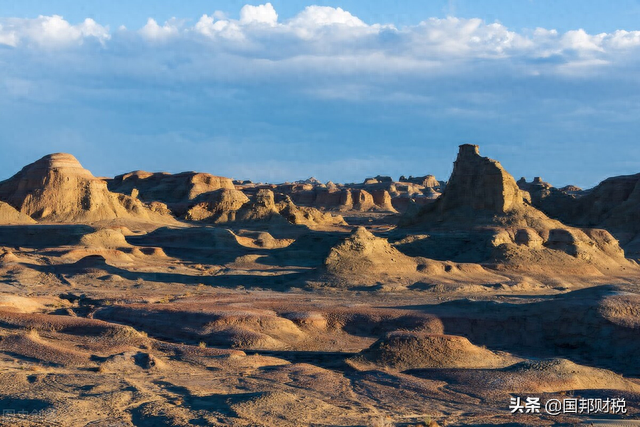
(156, 299)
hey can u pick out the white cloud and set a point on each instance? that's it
(582, 42)
(469, 37)
(318, 16)
(227, 29)
(329, 41)
(50, 31)
(622, 39)
(153, 31)
(263, 14)
(8, 38)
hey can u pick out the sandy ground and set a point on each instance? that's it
(132, 325)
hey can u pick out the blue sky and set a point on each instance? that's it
(592, 15)
(338, 90)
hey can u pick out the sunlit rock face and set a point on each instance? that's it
(480, 183)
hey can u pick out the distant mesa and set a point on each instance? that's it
(571, 189)
(377, 180)
(312, 181)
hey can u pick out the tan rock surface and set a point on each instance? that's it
(291, 317)
(57, 188)
(169, 188)
(9, 215)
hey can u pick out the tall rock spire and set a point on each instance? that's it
(480, 183)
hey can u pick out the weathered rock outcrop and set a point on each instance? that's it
(9, 215)
(332, 197)
(58, 188)
(217, 206)
(484, 217)
(375, 194)
(232, 205)
(260, 209)
(363, 254)
(305, 215)
(614, 204)
(362, 200)
(414, 350)
(425, 181)
(383, 201)
(178, 191)
(480, 184)
(546, 197)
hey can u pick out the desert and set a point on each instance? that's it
(309, 214)
(153, 299)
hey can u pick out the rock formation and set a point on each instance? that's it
(380, 194)
(362, 200)
(262, 208)
(225, 206)
(484, 217)
(169, 188)
(9, 215)
(414, 350)
(614, 204)
(178, 191)
(217, 206)
(382, 200)
(546, 197)
(480, 184)
(57, 188)
(425, 181)
(363, 254)
(303, 215)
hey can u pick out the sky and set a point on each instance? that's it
(340, 90)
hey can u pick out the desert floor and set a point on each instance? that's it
(127, 324)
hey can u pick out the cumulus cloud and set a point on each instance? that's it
(153, 31)
(8, 38)
(318, 45)
(263, 14)
(317, 16)
(209, 27)
(333, 37)
(50, 31)
(469, 37)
